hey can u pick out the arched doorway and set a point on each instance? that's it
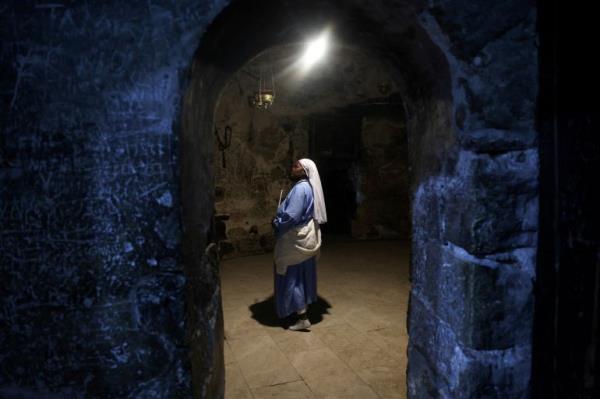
(474, 199)
(346, 114)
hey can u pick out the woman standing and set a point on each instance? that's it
(298, 243)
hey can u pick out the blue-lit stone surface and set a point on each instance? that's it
(475, 227)
(95, 298)
(92, 281)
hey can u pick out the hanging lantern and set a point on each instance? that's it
(264, 97)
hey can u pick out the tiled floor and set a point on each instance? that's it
(357, 344)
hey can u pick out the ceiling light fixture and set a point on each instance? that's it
(315, 50)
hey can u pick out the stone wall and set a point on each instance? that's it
(92, 281)
(263, 144)
(475, 228)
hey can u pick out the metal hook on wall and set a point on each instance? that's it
(224, 142)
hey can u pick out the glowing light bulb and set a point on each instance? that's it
(315, 50)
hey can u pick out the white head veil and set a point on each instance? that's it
(320, 213)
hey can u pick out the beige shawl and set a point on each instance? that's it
(297, 245)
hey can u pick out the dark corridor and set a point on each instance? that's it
(335, 146)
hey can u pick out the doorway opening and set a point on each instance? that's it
(262, 149)
(472, 242)
(362, 152)
(355, 131)
(335, 147)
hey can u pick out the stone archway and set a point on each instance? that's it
(474, 191)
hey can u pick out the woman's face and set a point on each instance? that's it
(297, 171)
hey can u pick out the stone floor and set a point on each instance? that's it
(357, 345)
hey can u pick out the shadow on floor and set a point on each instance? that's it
(264, 312)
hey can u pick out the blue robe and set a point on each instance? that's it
(298, 287)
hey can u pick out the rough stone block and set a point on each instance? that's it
(487, 303)
(496, 141)
(426, 207)
(491, 205)
(495, 46)
(440, 367)
(159, 306)
(426, 264)
(470, 25)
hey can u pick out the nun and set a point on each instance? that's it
(298, 243)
